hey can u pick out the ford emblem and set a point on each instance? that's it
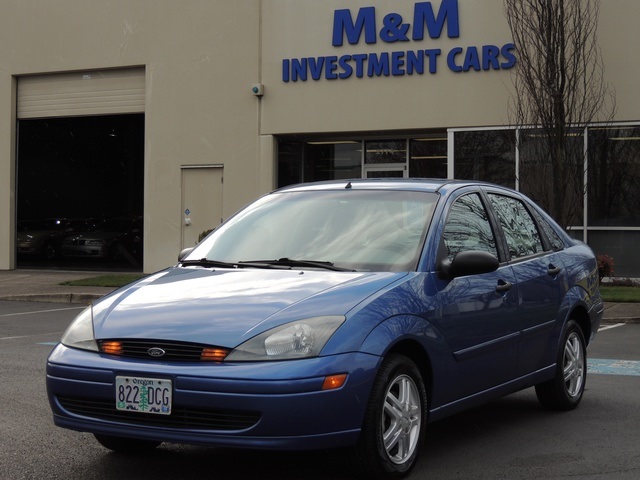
(156, 352)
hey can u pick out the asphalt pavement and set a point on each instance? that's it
(46, 286)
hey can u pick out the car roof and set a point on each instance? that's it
(415, 184)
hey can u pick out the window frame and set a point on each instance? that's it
(547, 246)
(490, 217)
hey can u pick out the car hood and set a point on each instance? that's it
(227, 306)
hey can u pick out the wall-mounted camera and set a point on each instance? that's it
(257, 89)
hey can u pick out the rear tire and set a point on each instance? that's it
(126, 445)
(395, 421)
(564, 392)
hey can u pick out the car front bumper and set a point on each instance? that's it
(267, 405)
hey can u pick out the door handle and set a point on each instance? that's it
(503, 286)
(553, 270)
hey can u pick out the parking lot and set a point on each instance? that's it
(510, 438)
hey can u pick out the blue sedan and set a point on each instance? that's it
(337, 314)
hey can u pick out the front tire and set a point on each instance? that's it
(395, 421)
(565, 390)
(125, 445)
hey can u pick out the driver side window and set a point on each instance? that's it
(468, 227)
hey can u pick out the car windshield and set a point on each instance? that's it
(373, 230)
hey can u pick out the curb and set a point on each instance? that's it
(630, 320)
(75, 298)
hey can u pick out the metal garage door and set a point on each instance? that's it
(96, 92)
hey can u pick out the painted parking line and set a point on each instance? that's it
(609, 327)
(601, 366)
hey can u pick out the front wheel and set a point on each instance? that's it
(394, 422)
(565, 390)
(125, 445)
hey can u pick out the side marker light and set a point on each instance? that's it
(334, 381)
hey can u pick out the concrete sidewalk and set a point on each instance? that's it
(44, 286)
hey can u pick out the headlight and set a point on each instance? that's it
(301, 339)
(80, 332)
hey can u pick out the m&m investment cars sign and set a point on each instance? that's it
(392, 29)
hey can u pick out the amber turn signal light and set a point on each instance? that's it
(213, 354)
(334, 381)
(112, 348)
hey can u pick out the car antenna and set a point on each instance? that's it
(348, 185)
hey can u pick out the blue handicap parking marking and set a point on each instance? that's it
(613, 367)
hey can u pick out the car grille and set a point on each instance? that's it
(176, 351)
(181, 417)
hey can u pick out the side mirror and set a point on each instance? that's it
(184, 253)
(472, 262)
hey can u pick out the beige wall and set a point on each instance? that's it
(619, 38)
(445, 99)
(295, 29)
(201, 58)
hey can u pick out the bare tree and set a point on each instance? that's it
(559, 88)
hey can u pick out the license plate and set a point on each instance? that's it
(146, 395)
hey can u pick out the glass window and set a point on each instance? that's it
(468, 227)
(428, 157)
(359, 229)
(289, 163)
(487, 155)
(519, 228)
(557, 186)
(555, 240)
(318, 160)
(386, 151)
(620, 245)
(332, 160)
(614, 176)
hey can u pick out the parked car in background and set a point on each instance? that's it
(43, 238)
(116, 239)
(337, 314)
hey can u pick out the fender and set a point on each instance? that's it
(579, 305)
(406, 332)
(591, 306)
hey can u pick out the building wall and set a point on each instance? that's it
(295, 29)
(201, 58)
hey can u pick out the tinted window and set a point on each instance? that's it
(554, 239)
(519, 228)
(468, 227)
(485, 155)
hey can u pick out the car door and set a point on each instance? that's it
(478, 313)
(541, 279)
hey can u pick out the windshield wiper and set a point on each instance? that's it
(288, 262)
(205, 262)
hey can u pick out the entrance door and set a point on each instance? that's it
(201, 201)
(387, 171)
(385, 159)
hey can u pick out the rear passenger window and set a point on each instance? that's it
(468, 227)
(554, 239)
(518, 226)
